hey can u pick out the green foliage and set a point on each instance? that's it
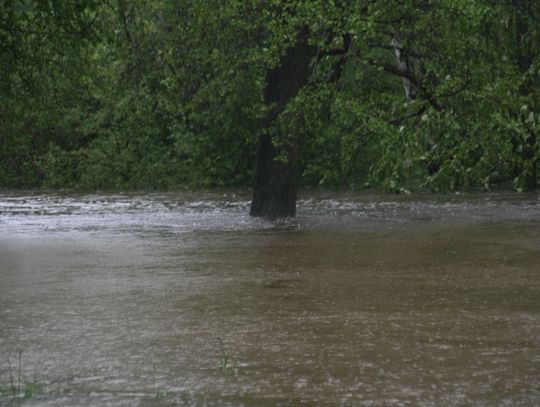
(161, 94)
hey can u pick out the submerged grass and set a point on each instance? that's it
(223, 363)
(18, 387)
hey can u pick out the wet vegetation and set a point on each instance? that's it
(411, 95)
(18, 386)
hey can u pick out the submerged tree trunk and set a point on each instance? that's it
(274, 193)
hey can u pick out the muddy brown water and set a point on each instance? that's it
(362, 300)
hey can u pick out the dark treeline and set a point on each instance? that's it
(161, 94)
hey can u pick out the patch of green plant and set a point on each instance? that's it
(32, 389)
(162, 393)
(225, 363)
(18, 387)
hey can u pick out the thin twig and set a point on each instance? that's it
(19, 373)
(410, 115)
(12, 384)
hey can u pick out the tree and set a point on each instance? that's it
(44, 47)
(370, 33)
(277, 151)
(403, 95)
(275, 184)
(524, 16)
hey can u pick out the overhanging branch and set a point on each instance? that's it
(407, 74)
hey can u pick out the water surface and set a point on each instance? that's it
(363, 299)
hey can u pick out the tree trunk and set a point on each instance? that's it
(274, 194)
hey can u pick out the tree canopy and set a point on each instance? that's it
(403, 95)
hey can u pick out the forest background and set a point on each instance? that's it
(160, 94)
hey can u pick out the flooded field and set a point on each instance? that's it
(183, 299)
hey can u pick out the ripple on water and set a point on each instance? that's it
(363, 299)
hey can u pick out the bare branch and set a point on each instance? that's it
(400, 120)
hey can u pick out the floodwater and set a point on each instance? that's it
(362, 300)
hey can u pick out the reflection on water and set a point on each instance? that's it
(361, 300)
